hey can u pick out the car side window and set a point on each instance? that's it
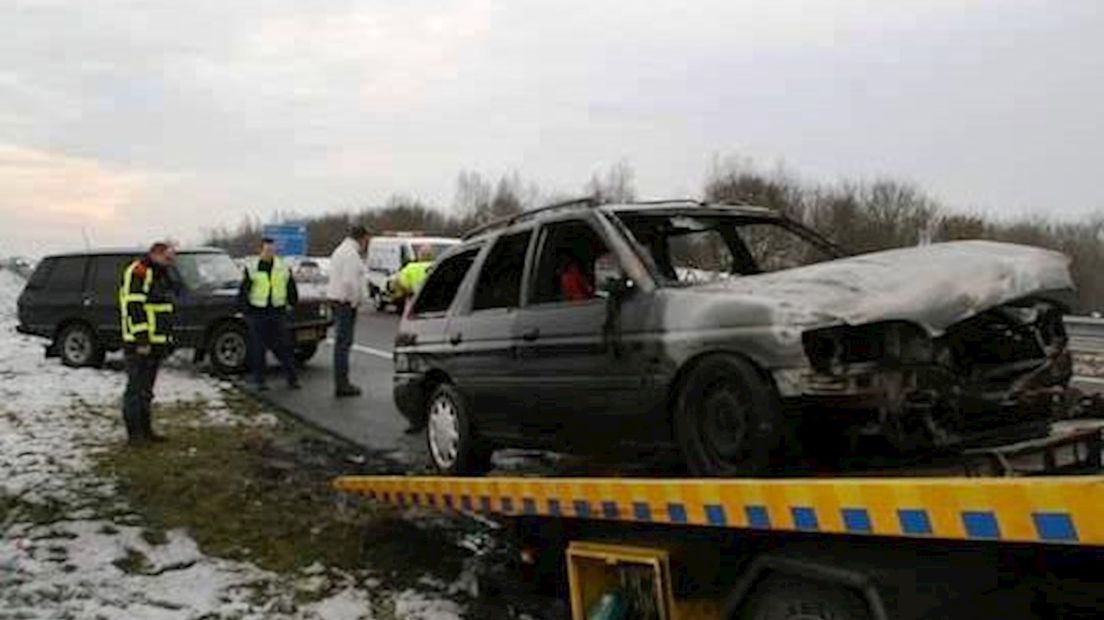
(444, 281)
(107, 273)
(499, 284)
(68, 273)
(565, 270)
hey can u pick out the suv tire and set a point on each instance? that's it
(783, 598)
(727, 418)
(453, 447)
(228, 348)
(78, 346)
(377, 299)
(304, 353)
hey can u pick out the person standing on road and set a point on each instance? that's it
(347, 291)
(146, 308)
(267, 294)
(411, 277)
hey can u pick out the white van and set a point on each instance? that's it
(389, 253)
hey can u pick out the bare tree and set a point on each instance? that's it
(615, 185)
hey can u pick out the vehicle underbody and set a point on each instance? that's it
(998, 376)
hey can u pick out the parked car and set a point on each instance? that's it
(73, 300)
(731, 334)
(387, 254)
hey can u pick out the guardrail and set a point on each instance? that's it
(1086, 334)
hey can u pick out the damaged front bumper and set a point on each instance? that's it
(928, 405)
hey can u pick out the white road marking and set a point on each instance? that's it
(359, 348)
(1089, 380)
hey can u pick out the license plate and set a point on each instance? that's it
(306, 335)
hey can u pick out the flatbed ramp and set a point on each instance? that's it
(1054, 510)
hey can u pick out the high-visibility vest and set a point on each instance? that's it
(263, 283)
(412, 276)
(151, 310)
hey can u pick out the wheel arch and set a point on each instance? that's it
(67, 322)
(768, 565)
(678, 383)
(214, 326)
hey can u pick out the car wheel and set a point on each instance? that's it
(453, 447)
(304, 352)
(78, 346)
(784, 598)
(377, 299)
(228, 348)
(727, 418)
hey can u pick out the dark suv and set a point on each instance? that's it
(73, 299)
(731, 333)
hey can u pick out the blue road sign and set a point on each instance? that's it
(291, 239)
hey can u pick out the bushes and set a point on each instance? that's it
(860, 216)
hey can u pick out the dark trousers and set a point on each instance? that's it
(344, 326)
(268, 330)
(141, 375)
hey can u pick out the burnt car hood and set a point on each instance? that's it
(934, 286)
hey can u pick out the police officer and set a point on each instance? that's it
(146, 310)
(411, 277)
(267, 294)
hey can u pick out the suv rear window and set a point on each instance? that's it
(41, 274)
(499, 283)
(444, 281)
(68, 273)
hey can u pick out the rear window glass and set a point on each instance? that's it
(41, 275)
(444, 281)
(68, 273)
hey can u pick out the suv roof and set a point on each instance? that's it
(656, 207)
(132, 251)
(414, 239)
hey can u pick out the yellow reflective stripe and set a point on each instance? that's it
(152, 310)
(136, 327)
(134, 297)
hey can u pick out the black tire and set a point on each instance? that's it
(378, 301)
(228, 348)
(468, 455)
(727, 418)
(79, 346)
(304, 352)
(786, 598)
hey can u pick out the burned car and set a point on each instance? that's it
(737, 336)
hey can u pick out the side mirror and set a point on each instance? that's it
(611, 279)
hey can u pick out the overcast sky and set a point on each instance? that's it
(128, 120)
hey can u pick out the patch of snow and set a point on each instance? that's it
(71, 546)
(348, 604)
(414, 605)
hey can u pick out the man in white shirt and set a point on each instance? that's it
(346, 292)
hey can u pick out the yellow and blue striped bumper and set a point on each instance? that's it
(1066, 510)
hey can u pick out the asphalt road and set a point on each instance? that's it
(371, 421)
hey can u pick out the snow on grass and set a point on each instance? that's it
(71, 547)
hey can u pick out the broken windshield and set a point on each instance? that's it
(686, 249)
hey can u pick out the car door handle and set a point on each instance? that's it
(531, 334)
(456, 339)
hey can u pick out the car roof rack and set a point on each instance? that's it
(589, 201)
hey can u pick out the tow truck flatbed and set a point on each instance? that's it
(840, 548)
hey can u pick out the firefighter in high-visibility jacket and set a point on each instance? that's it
(267, 294)
(146, 309)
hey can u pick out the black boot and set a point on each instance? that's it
(348, 390)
